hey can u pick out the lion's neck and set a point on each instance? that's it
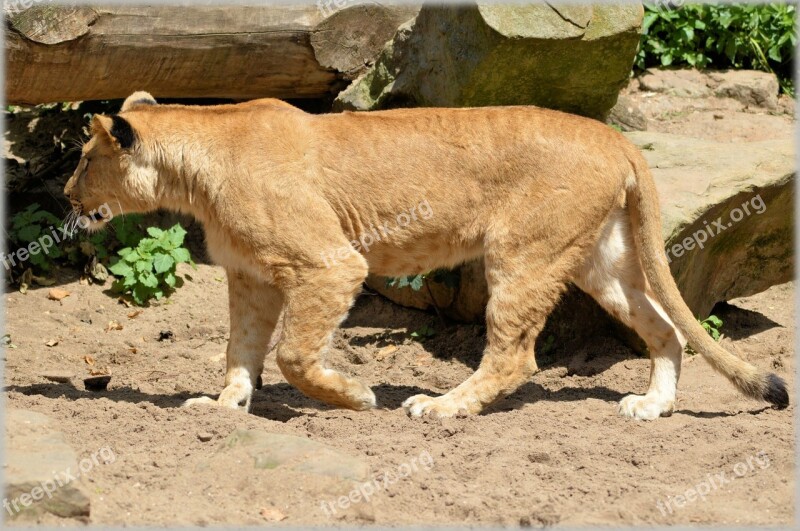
(189, 176)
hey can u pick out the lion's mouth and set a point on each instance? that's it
(97, 217)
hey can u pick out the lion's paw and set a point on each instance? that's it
(645, 407)
(439, 407)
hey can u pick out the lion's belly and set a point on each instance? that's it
(388, 260)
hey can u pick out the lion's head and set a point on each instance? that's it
(115, 175)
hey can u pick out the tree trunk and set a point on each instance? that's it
(60, 53)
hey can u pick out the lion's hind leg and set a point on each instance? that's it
(524, 287)
(613, 275)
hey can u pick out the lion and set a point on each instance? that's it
(544, 197)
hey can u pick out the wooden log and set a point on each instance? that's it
(61, 53)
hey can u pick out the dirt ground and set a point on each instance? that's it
(553, 453)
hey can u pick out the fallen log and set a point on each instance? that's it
(63, 53)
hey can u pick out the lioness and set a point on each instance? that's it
(544, 197)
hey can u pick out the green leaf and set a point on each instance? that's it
(162, 262)
(180, 255)
(29, 233)
(176, 235)
(148, 279)
(132, 257)
(170, 279)
(416, 283)
(155, 232)
(121, 269)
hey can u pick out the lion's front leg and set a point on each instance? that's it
(254, 310)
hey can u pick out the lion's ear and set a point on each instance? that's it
(139, 97)
(117, 129)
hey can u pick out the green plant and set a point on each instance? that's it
(123, 231)
(712, 324)
(416, 282)
(30, 225)
(147, 270)
(423, 333)
(758, 36)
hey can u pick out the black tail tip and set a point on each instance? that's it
(776, 393)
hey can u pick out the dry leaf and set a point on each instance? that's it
(271, 514)
(123, 300)
(52, 343)
(56, 294)
(134, 314)
(113, 325)
(133, 350)
(89, 360)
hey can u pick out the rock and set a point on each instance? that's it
(166, 335)
(410, 298)
(627, 115)
(759, 89)
(205, 436)
(687, 83)
(97, 383)
(698, 181)
(750, 87)
(701, 182)
(57, 294)
(37, 459)
(298, 454)
(495, 54)
(58, 376)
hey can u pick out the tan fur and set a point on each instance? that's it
(544, 197)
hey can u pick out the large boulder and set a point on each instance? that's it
(39, 468)
(495, 54)
(728, 218)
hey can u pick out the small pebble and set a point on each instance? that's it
(97, 383)
(60, 377)
(204, 436)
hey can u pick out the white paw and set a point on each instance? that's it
(204, 400)
(439, 407)
(645, 407)
(367, 400)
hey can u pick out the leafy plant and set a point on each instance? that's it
(758, 36)
(31, 224)
(147, 270)
(423, 333)
(416, 282)
(712, 325)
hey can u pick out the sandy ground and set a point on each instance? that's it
(554, 452)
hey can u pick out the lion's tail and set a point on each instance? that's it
(642, 200)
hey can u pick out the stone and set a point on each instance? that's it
(699, 182)
(495, 54)
(753, 88)
(749, 87)
(688, 83)
(297, 454)
(37, 459)
(627, 115)
(58, 376)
